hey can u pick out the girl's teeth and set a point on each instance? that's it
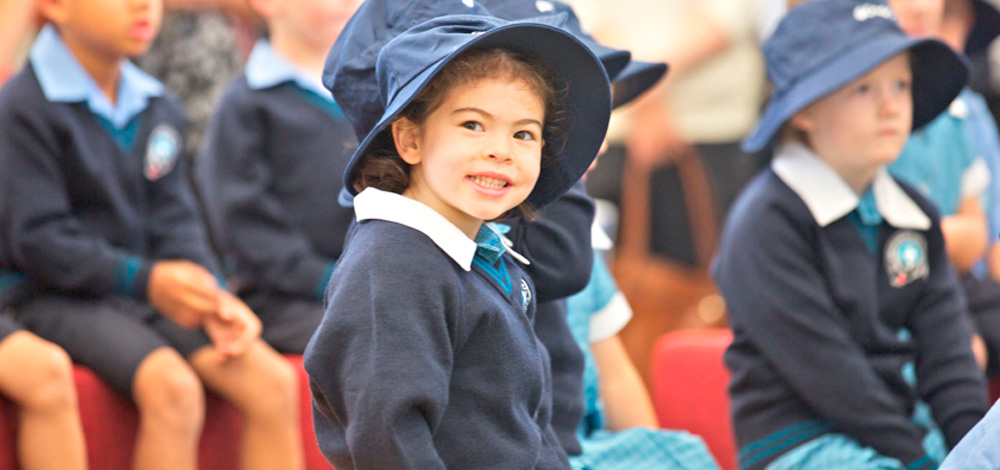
(489, 183)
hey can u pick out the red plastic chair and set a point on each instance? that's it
(689, 388)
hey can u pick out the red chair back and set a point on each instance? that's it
(689, 388)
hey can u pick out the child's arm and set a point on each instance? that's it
(965, 234)
(46, 240)
(948, 378)
(558, 244)
(236, 179)
(380, 364)
(626, 402)
(769, 272)
(234, 328)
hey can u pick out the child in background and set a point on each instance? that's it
(836, 276)
(426, 357)
(942, 162)
(969, 26)
(107, 233)
(269, 171)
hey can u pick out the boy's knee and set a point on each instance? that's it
(278, 394)
(166, 389)
(49, 378)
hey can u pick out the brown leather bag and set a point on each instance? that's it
(665, 295)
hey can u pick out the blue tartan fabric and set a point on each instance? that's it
(640, 449)
(630, 449)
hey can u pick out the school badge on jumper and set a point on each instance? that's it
(906, 258)
(525, 295)
(162, 152)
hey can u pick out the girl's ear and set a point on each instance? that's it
(406, 134)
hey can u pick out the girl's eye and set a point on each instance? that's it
(902, 85)
(472, 125)
(861, 89)
(524, 135)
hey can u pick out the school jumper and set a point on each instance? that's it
(102, 193)
(426, 357)
(269, 176)
(829, 298)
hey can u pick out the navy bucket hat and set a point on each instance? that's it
(985, 29)
(822, 45)
(406, 63)
(629, 78)
(614, 60)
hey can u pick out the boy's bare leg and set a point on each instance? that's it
(38, 376)
(171, 405)
(264, 387)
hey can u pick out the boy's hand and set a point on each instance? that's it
(183, 292)
(233, 328)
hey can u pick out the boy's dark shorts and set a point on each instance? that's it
(288, 322)
(110, 336)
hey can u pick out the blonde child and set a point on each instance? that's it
(836, 275)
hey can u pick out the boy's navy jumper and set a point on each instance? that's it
(426, 357)
(819, 288)
(98, 193)
(269, 175)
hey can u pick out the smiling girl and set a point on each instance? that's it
(426, 357)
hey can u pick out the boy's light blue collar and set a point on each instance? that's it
(829, 197)
(64, 80)
(267, 68)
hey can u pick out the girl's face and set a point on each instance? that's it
(478, 155)
(864, 125)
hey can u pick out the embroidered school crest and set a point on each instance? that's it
(525, 295)
(162, 152)
(906, 258)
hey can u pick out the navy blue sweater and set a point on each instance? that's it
(816, 346)
(83, 218)
(269, 175)
(559, 247)
(419, 364)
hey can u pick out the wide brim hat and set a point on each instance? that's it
(408, 63)
(812, 54)
(634, 80)
(985, 29)
(614, 60)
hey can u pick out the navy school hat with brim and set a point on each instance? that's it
(614, 60)
(629, 78)
(407, 63)
(985, 29)
(634, 80)
(822, 45)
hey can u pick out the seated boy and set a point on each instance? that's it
(850, 349)
(270, 172)
(103, 222)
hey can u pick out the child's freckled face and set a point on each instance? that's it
(478, 154)
(865, 124)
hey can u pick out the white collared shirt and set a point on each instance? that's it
(267, 68)
(829, 197)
